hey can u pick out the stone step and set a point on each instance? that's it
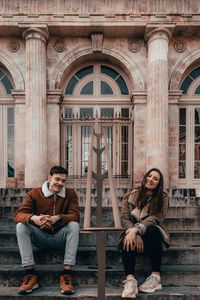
(172, 192)
(193, 205)
(178, 238)
(172, 223)
(185, 238)
(112, 293)
(178, 275)
(87, 255)
(182, 223)
(183, 212)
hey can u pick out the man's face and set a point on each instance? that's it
(56, 182)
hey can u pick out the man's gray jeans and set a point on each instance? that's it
(66, 238)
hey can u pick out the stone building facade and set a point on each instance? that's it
(131, 65)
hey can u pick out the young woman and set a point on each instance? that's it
(142, 213)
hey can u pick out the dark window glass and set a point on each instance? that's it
(85, 148)
(182, 151)
(197, 115)
(1, 74)
(124, 133)
(86, 112)
(182, 116)
(11, 170)
(108, 71)
(106, 89)
(185, 85)
(68, 149)
(10, 116)
(7, 83)
(182, 134)
(109, 139)
(10, 151)
(197, 170)
(10, 142)
(122, 85)
(197, 91)
(124, 168)
(107, 112)
(87, 89)
(182, 143)
(197, 152)
(71, 85)
(195, 73)
(125, 112)
(85, 71)
(10, 133)
(197, 134)
(182, 169)
(68, 112)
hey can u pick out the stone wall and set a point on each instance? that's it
(143, 7)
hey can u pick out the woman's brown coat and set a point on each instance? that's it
(131, 215)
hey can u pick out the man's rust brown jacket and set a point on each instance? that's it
(36, 203)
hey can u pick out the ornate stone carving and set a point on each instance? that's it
(134, 45)
(180, 46)
(13, 46)
(97, 42)
(59, 45)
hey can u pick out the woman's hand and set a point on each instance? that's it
(139, 244)
(130, 239)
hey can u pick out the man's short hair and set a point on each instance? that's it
(58, 170)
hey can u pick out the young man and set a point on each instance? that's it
(49, 219)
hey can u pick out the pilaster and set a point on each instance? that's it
(139, 100)
(174, 97)
(36, 108)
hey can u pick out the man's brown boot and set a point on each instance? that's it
(66, 286)
(29, 284)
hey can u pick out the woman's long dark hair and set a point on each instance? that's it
(155, 205)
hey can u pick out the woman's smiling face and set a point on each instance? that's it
(152, 180)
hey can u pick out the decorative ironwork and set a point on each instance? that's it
(100, 230)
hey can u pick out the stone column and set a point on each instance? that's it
(139, 100)
(36, 110)
(19, 97)
(157, 139)
(53, 122)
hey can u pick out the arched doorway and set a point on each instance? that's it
(97, 91)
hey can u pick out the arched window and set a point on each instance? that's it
(7, 164)
(189, 129)
(97, 92)
(101, 77)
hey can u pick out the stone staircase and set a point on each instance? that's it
(180, 264)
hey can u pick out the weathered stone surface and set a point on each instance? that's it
(112, 293)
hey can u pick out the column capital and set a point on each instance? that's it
(19, 96)
(55, 96)
(36, 33)
(139, 97)
(153, 33)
